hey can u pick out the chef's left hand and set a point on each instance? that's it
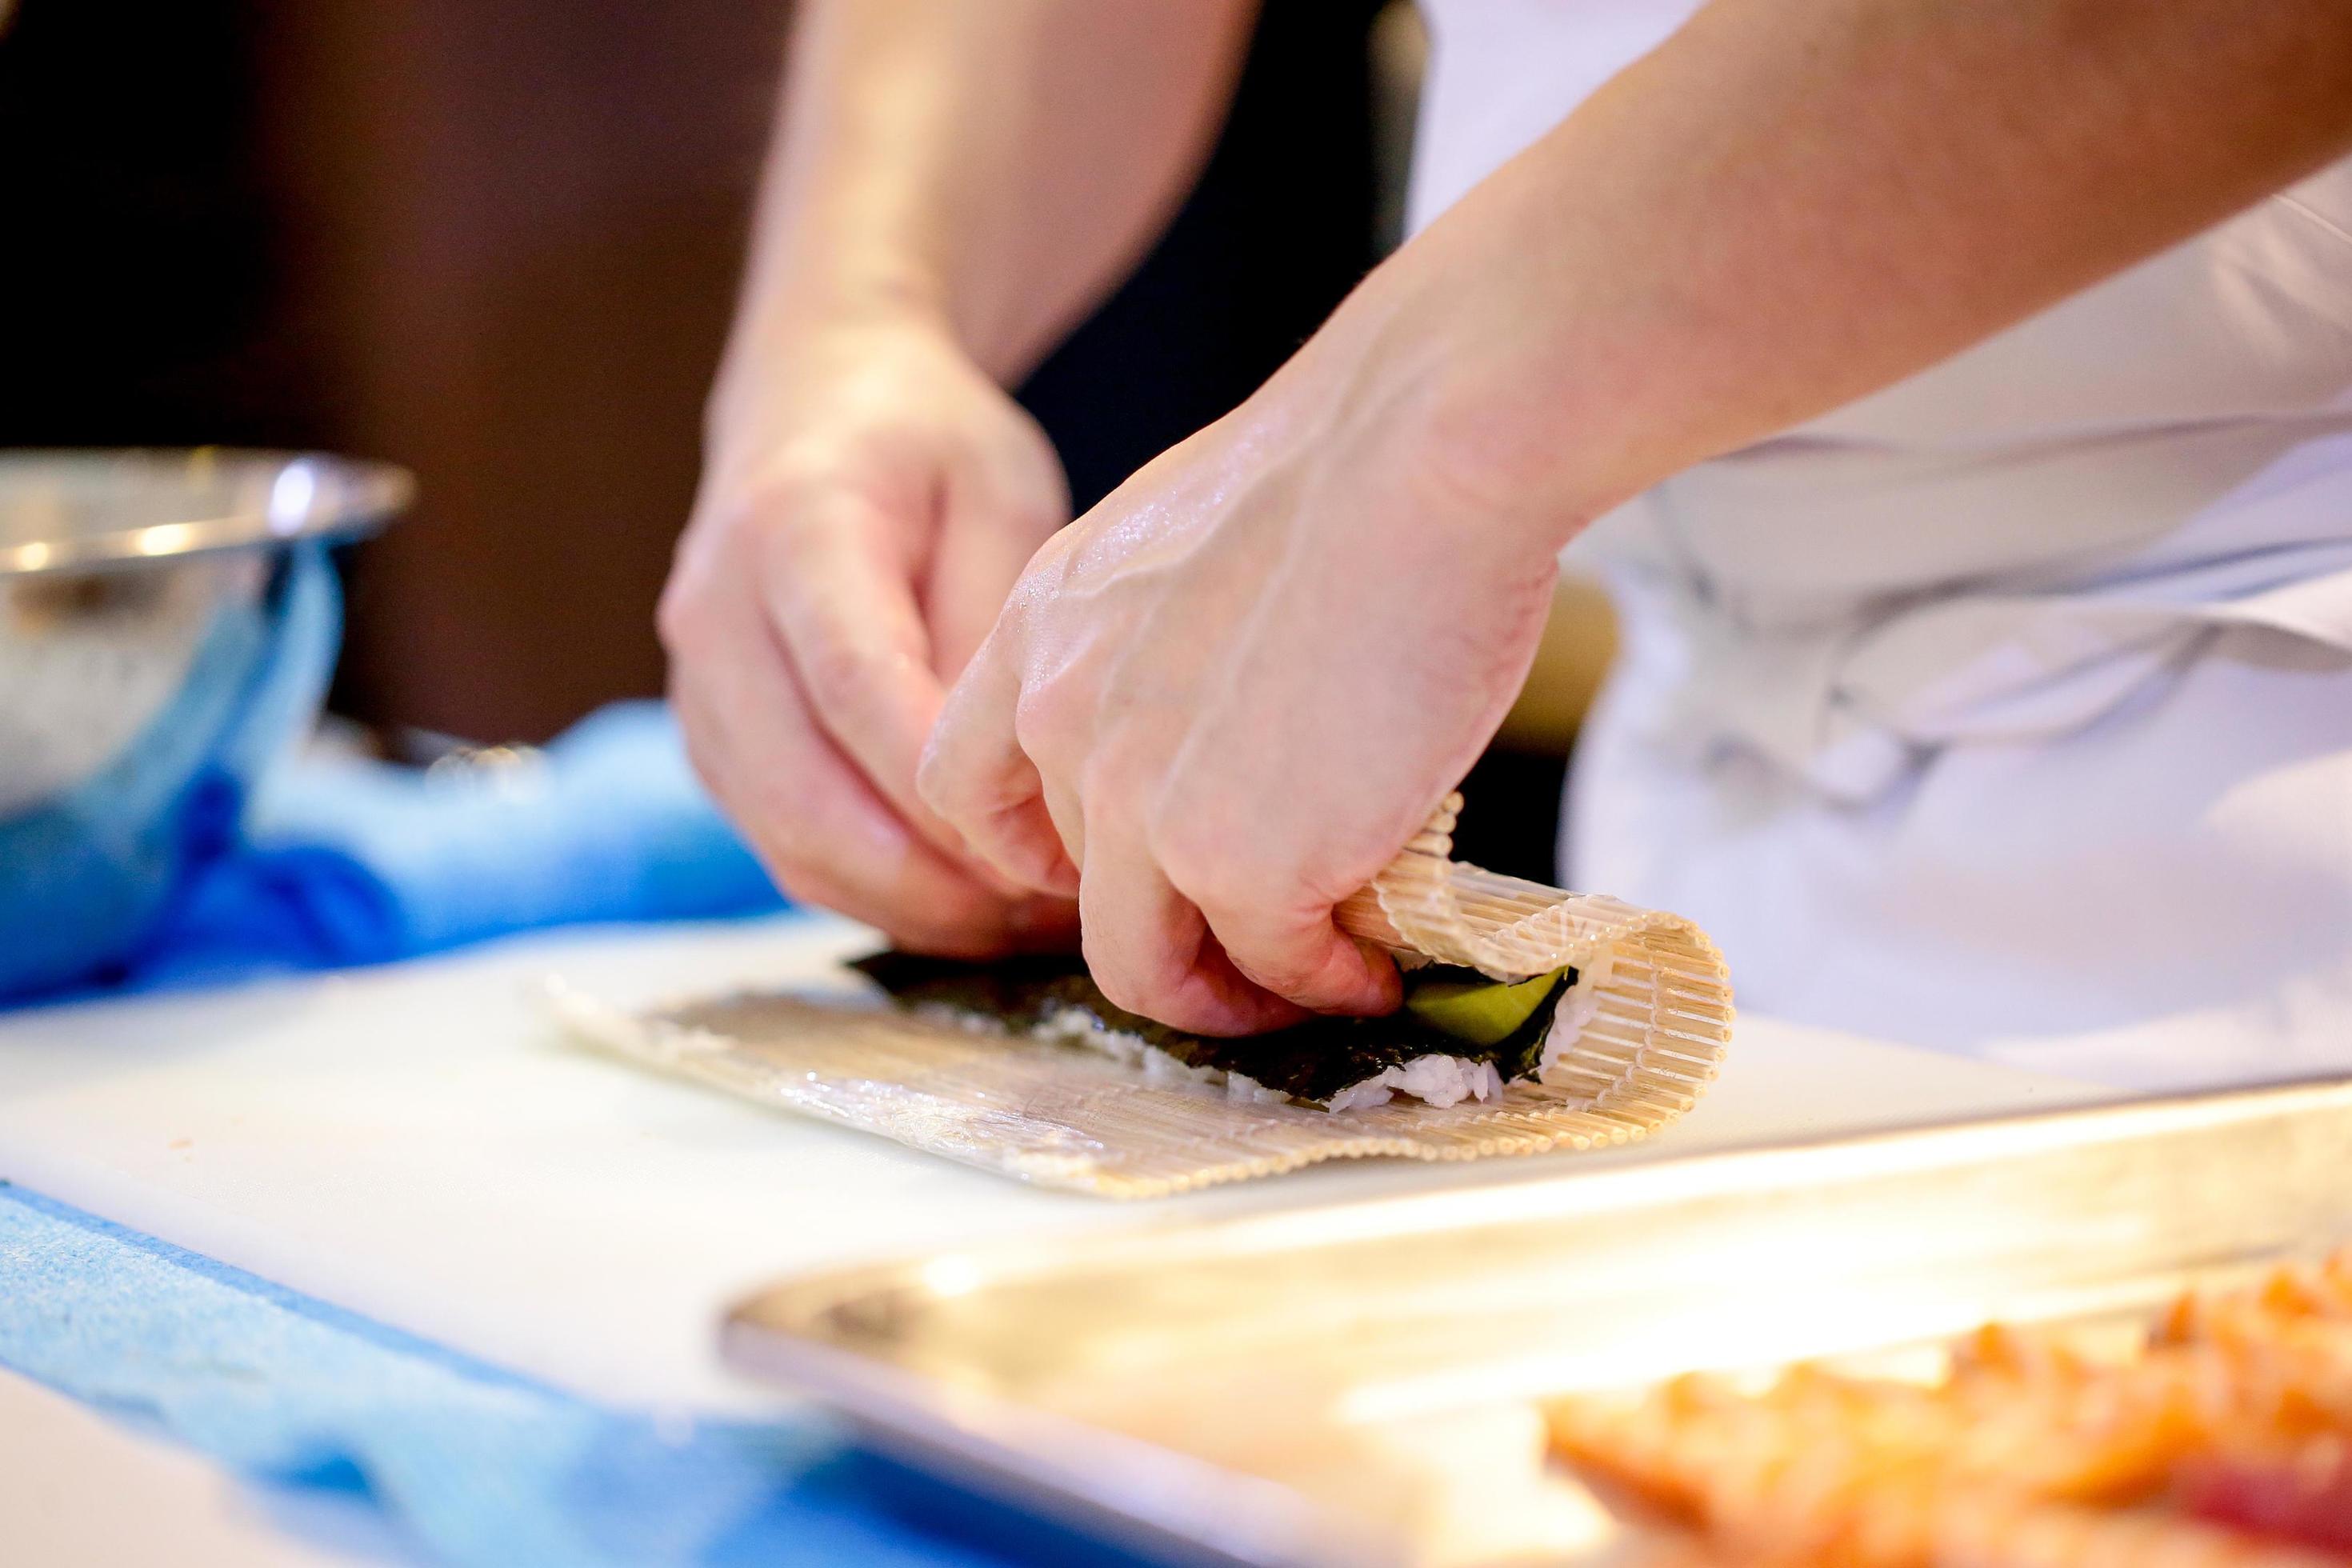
(1224, 698)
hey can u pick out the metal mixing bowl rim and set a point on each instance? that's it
(367, 495)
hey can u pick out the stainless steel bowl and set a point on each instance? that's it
(113, 566)
(77, 511)
(146, 599)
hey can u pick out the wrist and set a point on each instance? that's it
(1557, 383)
(794, 321)
(1487, 412)
(1530, 407)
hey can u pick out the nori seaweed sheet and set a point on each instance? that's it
(1310, 1062)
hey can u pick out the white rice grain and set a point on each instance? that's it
(1437, 1080)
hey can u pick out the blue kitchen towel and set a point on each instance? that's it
(349, 860)
(468, 1464)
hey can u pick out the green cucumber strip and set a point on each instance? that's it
(1482, 1011)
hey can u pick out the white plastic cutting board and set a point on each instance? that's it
(418, 1143)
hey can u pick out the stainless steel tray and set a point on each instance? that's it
(1358, 1383)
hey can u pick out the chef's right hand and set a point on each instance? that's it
(868, 497)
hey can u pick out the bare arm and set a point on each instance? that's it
(1244, 680)
(955, 183)
(996, 167)
(1795, 202)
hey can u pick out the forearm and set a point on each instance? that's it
(996, 167)
(1793, 202)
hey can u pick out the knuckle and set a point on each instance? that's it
(1027, 615)
(1204, 857)
(840, 677)
(789, 476)
(767, 516)
(1054, 717)
(1036, 720)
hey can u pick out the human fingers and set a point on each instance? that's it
(815, 823)
(976, 776)
(1250, 873)
(841, 598)
(895, 882)
(1150, 950)
(999, 507)
(1304, 957)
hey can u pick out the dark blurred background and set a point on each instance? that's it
(499, 243)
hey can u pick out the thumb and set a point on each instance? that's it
(1311, 961)
(991, 526)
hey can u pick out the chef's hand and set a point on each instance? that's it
(869, 499)
(1224, 698)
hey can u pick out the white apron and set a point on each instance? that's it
(2008, 709)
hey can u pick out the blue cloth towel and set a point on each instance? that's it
(346, 860)
(467, 1464)
(349, 860)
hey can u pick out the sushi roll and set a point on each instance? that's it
(1506, 982)
(1459, 1036)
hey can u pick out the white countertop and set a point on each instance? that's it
(419, 1144)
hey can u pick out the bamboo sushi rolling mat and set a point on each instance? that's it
(1637, 1038)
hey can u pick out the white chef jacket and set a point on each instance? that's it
(2007, 710)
